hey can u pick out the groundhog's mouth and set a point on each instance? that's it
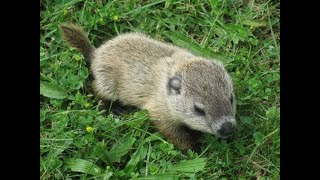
(227, 137)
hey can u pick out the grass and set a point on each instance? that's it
(81, 140)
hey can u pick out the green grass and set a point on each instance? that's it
(81, 140)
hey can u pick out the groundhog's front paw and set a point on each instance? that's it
(196, 148)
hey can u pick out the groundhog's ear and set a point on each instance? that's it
(174, 85)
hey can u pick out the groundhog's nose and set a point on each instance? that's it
(227, 129)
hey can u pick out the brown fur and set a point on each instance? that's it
(81, 41)
(136, 70)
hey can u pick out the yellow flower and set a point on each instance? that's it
(76, 57)
(87, 105)
(89, 129)
(115, 18)
(65, 12)
(238, 73)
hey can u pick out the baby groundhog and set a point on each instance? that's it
(180, 90)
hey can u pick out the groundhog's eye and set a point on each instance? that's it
(199, 111)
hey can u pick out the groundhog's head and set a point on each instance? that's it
(201, 94)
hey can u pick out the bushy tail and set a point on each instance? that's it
(78, 39)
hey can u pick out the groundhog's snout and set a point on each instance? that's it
(226, 129)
